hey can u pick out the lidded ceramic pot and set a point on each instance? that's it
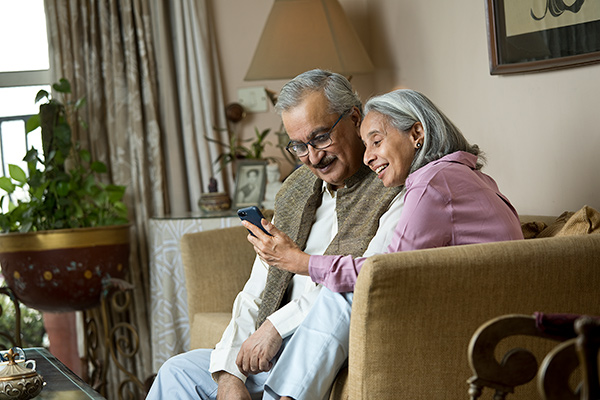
(17, 382)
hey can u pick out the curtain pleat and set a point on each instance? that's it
(199, 95)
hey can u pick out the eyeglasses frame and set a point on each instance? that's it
(328, 134)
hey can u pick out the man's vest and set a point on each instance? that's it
(359, 205)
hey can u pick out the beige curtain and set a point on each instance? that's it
(105, 48)
(192, 100)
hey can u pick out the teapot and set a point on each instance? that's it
(18, 382)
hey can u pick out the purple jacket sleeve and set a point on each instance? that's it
(424, 223)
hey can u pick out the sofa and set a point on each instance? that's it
(415, 312)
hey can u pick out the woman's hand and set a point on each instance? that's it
(278, 250)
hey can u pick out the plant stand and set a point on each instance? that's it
(111, 339)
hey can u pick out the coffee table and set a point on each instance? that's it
(61, 382)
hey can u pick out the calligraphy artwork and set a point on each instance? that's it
(539, 35)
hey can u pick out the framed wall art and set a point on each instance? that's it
(538, 35)
(250, 181)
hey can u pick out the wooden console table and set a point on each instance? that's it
(169, 324)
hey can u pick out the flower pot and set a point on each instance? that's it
(64, 269)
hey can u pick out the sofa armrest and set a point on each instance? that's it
(217, 264)
(415, 312)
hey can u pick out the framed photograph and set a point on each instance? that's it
(250, 181)
(538, 35)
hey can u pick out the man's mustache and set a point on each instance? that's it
(325, 161)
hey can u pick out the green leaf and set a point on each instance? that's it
(62, 188)
(98, 167)
(85, 155)
(42, 94)
(115, 192)
(31, 156)
(7, 185)
(63, 86)
(32, 123)
(62, 136)
(25, 227)
(17, 173)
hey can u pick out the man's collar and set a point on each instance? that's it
(358, 177)
(362, 172)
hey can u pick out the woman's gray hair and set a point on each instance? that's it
(405, 107)
(336, 88)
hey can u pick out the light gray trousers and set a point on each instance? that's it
(305, 369)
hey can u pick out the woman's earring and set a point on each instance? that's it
(418, 145)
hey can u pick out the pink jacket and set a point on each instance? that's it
(448, 202)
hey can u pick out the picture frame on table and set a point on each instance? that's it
(250, 182)
(539, 35)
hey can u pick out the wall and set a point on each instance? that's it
(539, 131)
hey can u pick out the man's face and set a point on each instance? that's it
(343, 157)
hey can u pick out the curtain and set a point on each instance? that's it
(149, 72)
(105, 48)
(192, 99)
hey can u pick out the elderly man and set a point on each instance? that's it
(331, 205)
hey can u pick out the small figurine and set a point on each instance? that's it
(212, 185)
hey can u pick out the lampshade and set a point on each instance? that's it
(304, 34)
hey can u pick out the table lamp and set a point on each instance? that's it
(301, 35)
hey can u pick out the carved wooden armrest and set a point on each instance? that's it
(517, 367)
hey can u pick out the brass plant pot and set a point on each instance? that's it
(64, 269)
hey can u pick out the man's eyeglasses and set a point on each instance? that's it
(320, 142)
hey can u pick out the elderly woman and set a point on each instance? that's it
(448, 200)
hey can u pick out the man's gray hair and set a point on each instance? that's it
(336, 88)
(405, 107)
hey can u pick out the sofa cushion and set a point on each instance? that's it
(532, 229)
(207, 328)
(583, 222)
(553, 228)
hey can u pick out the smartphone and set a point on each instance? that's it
(252, 215)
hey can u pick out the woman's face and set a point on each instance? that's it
(389, 152)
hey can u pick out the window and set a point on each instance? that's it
(24, 70)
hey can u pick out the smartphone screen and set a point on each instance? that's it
(252, 215)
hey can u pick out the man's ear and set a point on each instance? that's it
(356, 117)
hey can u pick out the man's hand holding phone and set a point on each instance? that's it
(272, 245)
(254, 216)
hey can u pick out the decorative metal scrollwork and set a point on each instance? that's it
(113, 340)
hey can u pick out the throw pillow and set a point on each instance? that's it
(532, 229)
(583, 222)
(556, 226)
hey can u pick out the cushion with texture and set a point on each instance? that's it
(207, 329)
(553, 228)
(532, 229)
(583, 222)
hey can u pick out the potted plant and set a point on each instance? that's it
(237, 150)
(71, 234)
